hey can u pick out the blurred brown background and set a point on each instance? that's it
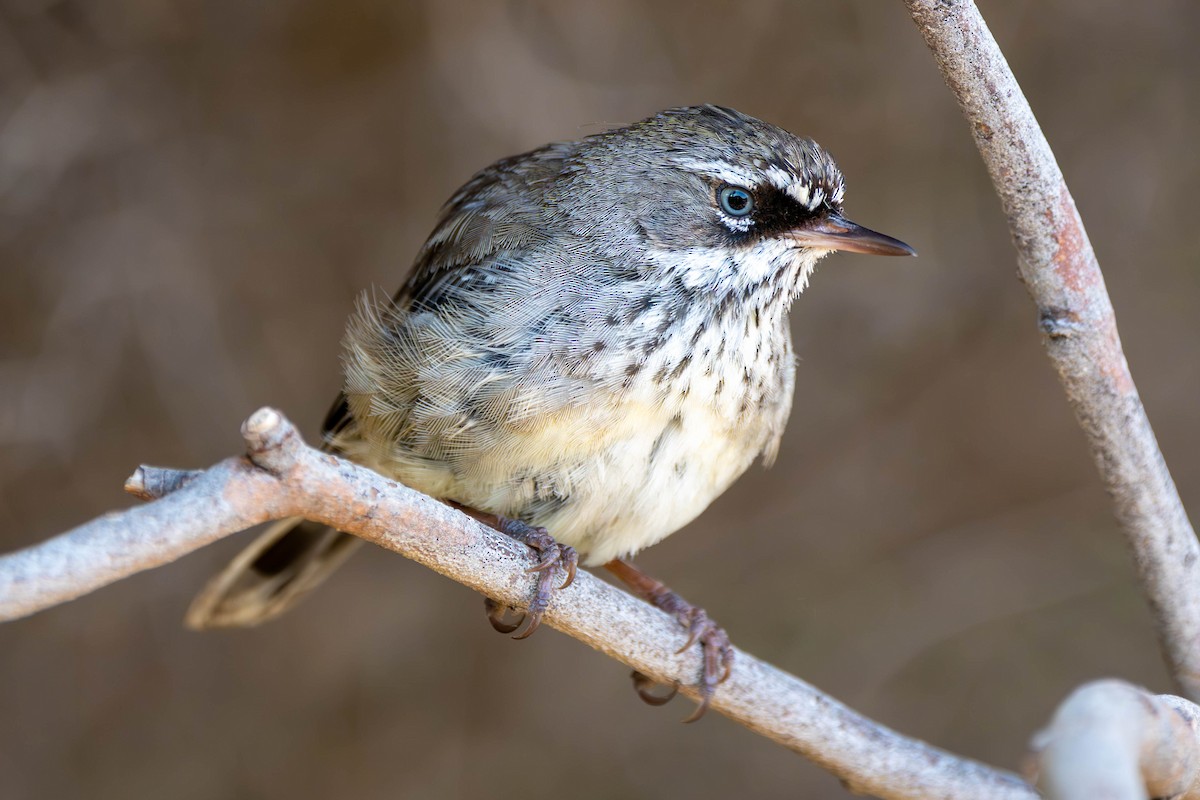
(192, 194)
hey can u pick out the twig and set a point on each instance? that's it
(281, 477)
(1113, 740)
(1076, 317)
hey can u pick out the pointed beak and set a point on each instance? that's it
(832, 232)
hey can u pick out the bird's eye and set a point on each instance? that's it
(735, 201)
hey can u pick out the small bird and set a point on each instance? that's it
(592, 345)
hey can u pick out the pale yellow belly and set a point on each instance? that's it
(607, 481)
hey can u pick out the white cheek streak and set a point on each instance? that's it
(696, 266)
(763, 260)
(716, 270)
(808, 268)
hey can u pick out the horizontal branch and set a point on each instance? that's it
(1113, 740)
(1076, 317)
(282, 477)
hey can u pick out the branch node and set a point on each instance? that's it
(1059, 323)
(151, 483)
(272, 442)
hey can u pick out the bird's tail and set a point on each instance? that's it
(267, 578)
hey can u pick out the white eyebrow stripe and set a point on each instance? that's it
(721, 171)
(800, 192)
(780, 178)
(809, 197)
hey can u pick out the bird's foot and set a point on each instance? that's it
(714, 642)
(715, 648)
(553, 559)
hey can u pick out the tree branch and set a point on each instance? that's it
(282, 477)
(1076, 318)
(1114, 740)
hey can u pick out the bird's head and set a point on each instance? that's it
(722, 201)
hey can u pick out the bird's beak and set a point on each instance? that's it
(833, 232)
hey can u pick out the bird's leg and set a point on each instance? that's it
(553, 558)
(714, 642)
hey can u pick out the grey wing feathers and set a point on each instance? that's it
(483, 219)
(462, 352)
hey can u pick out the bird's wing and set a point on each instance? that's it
(497, 216)
(492, 217)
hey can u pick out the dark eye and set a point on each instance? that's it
(735, 201)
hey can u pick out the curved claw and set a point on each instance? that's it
(497, 615)
(643, 684)
(535, 621)
(501, 627)
(571, 558)
(696, 623)
(550, 558)
(694, 632)
(700, 709)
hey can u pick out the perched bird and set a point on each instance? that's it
(592, 345)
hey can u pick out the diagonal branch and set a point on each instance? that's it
(282, 477)
(1076, 317)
